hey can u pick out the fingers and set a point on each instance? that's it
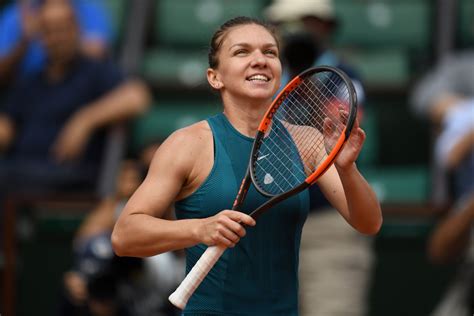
(62, 151)
(240, 217)
(227, 228)
(344, 115)
(228, 237)
(329, 126)
(361, 133)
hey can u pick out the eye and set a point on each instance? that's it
(271, 52)
(240, 52)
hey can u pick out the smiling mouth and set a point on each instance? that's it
(259, 78)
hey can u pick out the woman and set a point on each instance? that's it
(200, 167)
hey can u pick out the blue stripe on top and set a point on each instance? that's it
(260, 275)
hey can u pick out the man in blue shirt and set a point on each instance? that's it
(21, 52)
(53, 121)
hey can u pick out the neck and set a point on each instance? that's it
(245, 116)
(56, 71)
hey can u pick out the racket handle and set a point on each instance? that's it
(180, 297)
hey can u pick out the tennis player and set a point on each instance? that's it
(199, 168)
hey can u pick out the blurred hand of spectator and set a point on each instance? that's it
(7, 132)
(450, 238)
(128, 100)
(77, 287)
(72, 140)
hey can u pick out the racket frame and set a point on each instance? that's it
(266, 123)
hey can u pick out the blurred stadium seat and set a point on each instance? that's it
(403, 184)
(382, 38)
(166, 117)
(466, 23)
(118, 16)
(177, 55)
(117, 10)
(380, 23)
(170, 67)
(381, 69)
(192, 22)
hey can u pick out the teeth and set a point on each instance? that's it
(259, 77)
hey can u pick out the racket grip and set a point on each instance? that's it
(180, 297)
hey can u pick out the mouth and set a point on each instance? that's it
(258, 78)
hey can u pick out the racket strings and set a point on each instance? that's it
(302, 133)
(312, 92)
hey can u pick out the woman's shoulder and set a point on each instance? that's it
(187, 152)
(188, 141)
(191, 134)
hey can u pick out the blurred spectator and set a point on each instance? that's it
(445, 96)
(91, 285)
(332, 254)
(21, 51)
(53, 125)
(135, 286)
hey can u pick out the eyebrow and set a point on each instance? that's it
(248, 45)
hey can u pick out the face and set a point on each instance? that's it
(59, 31)
(249, 65)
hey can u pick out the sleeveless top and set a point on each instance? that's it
(259, 276)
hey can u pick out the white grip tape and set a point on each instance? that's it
(180, 297)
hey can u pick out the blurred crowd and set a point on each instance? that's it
(62, 93)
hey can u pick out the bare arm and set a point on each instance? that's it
(142, 231)
(450, 238)
(126, 101)
(352, 196)
(349, 192)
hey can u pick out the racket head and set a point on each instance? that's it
(303, 131)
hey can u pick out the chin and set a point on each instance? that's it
(261, 98)
(262, 93)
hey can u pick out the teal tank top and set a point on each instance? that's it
(260, 275)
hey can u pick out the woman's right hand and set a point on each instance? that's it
(224, 229)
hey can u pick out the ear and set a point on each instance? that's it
(214, 79)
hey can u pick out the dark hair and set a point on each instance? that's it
(218, 37)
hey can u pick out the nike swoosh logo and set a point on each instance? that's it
(261, 157)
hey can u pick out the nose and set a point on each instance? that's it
(258, 59)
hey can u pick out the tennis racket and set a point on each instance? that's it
(297, 141)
